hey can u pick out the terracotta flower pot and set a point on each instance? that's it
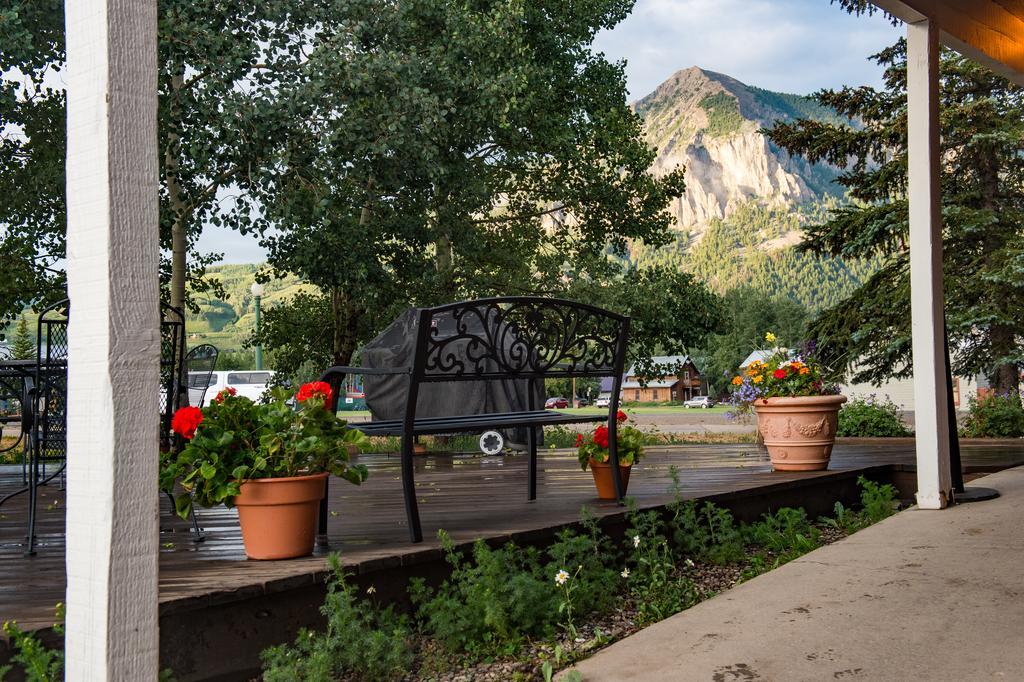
(799, 432)
(278, 515)
(602, 472)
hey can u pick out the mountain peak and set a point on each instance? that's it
(710, 123)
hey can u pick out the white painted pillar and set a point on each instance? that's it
(931, 421)
(113, 391)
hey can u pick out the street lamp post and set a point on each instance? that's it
(257, 292)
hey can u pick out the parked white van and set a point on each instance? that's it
(249, 383)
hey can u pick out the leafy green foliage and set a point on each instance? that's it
(723, 114)
(787, 533)
(704, 532)
(871, 417)
(491, 603)
(982, 178)
(654, 585)
(362, 641)
(877, 502)
(239, 439)
(39, 662)
(996, 415)
(588, 555)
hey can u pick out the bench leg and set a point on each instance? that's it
(613, 459)
(321, 524)
(412, 511)
(532, 441)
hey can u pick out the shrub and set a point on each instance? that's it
(39, 662)
(877, 502)
(870, 417)
(362, 641)
(491, 604)
(995, 416)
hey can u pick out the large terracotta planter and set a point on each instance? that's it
(799, 432)
(278, 515)
(602, 472)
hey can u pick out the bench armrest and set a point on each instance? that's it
(340, 369)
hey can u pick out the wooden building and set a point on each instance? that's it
(683, 385)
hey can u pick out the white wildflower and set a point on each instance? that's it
(689, 562)
(636, 540)
(561, 577)
(371, 589)
(625, 573)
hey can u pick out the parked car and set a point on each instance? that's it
(249, 383)
(603, 401)
(556, 404)
(582, 402)
(704, 401)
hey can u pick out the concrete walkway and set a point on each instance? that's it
(924, 595)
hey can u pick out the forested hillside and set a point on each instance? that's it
(756, 247)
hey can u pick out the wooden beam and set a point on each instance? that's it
(989, 31)
(931, 422)
(113, 364)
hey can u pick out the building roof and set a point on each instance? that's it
(759, 355)
(676, 360)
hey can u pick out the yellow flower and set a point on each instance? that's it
(736, 381)
(769, 337)
(753, 371)
(804, 370)
(758, 379)
(797, 364)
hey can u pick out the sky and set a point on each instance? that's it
(796, 46)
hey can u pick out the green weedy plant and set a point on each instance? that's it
(787, 533)
(658, 591)
(595, 583)
(490, 604)
(870, 417)
(361, 641)
(706, 532)
(39, 662)
(877, 501)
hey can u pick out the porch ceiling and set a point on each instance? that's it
(989, 31)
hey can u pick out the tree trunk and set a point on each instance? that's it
(1005, 376)
(176, 200)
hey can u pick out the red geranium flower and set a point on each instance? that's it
(579, 439)
(779, 374)
(621, 416)
(601, 436)
(224, 393)
(186, 420)
(315, 389)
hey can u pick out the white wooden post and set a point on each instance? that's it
(931, 421)
(113, 391)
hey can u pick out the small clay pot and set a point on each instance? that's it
(799, 432)
(602, 472)
(278, 515)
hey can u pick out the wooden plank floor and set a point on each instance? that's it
(468, 496)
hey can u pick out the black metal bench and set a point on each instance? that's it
(494, 339)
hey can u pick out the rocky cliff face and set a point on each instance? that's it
(710, 124)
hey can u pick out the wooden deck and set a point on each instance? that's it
(468, 496)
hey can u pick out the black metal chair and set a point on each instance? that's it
(199, 365)
(12, 391)
(516, 338)
(44, 409)
(172, 353)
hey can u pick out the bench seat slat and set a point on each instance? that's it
(475, 422)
